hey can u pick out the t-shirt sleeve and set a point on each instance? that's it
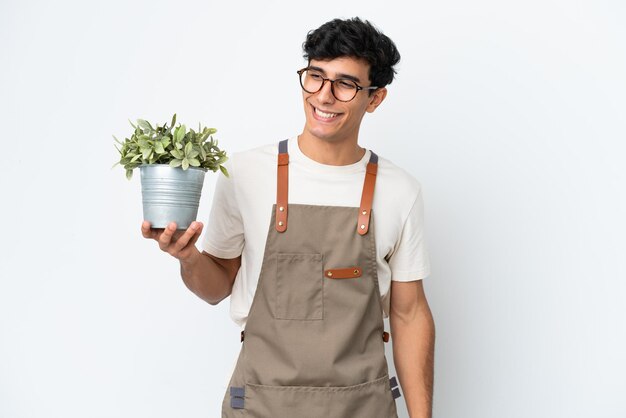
(223, 236)
(410, 260)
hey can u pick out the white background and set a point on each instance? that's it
(511, 114)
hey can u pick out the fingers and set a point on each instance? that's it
(166, 237)
(189, 237)
(148, 232)
(194, 239)
(172, 241)
(175, 242)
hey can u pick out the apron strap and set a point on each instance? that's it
(368, 194)
(282, 186)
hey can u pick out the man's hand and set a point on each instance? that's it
(209, 277)
(178, 244)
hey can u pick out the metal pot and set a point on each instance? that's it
(171, 194)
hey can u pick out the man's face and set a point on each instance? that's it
(329, 119)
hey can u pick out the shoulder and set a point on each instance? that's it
(250, 161)
(257, 154)
(396, 183)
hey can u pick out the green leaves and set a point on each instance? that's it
(171, 145)
(158, 147)
(145, 125)
(177, 154)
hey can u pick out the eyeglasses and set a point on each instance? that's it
(342, 89)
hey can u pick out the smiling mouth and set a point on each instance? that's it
(324, 115)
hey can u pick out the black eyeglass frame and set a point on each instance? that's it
(332, 85)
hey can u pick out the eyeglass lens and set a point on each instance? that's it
(343, 90)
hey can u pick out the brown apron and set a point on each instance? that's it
(314, 338)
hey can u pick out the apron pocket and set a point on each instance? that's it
(368, 400)
(299, 287)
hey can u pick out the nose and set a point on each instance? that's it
(325, 95)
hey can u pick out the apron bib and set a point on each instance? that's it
(314, 338)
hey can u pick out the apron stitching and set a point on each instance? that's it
(322, 388)
(374, 266)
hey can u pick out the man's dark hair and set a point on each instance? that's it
(357, 39)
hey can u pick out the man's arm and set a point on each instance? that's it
(210, 278)
(413, 337)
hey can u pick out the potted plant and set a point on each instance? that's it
(172, 162)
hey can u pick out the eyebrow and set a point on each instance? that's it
(340, 75)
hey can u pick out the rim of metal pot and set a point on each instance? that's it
(167, 165)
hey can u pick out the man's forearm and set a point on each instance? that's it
(206, 278)
(413, 339)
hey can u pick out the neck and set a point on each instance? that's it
(330, 153)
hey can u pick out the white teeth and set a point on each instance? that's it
(325, 115)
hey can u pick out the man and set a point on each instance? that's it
(333, 240)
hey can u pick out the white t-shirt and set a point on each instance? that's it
(242, 208)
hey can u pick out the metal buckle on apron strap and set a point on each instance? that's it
(237, 396)
(395, 391)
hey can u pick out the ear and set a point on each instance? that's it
(376, 99)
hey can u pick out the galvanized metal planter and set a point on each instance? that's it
(171, 194)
